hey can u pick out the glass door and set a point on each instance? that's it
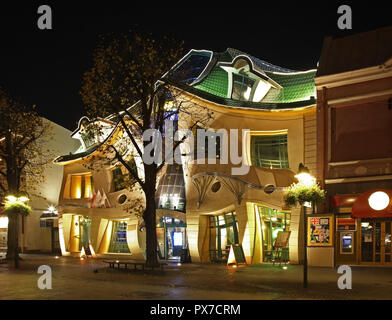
(387, 242)
(375, 241)
(223, 233)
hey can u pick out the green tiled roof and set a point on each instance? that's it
(247, 104)
(215, 83)
(296, 87)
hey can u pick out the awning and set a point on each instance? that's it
(343, 201)
(362, 208)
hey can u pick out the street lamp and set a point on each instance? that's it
(306, 180)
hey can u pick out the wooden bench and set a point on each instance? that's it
(125, 263)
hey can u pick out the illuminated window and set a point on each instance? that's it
(269, 151)
(223, 233)
(272, 221)
(118, 241)
(79, 186)
(242, 87)
(121, 178)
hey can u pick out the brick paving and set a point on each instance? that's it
(92, 279)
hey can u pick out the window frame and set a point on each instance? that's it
(282, 163)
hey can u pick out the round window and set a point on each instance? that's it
(121, 199)
(216, 186)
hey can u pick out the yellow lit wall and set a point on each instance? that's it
(105, 243)
(75, 234)
(76, 187)
(88, 192)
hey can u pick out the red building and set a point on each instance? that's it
(354, 121)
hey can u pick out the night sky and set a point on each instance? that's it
(45, 67)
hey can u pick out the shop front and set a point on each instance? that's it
(223, 233)
(171, 236)
(364, 230)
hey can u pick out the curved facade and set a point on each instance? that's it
(205, 207)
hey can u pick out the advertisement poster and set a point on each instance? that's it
(320, 231)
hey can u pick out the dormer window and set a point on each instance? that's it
(246, 83)
(242, 87)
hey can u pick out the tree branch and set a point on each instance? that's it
(134, 174)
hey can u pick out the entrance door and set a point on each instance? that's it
(177, 241)
(223, 233)
(375, 247)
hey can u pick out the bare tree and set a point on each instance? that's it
(135, 83)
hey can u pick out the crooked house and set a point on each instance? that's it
(203, 207)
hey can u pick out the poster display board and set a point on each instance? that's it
(236, 255)
(320, 231)
(282, 239)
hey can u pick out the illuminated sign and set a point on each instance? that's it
(378, 200)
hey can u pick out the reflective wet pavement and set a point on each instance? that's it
(92, 279)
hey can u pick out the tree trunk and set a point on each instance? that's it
(149, 217)
(12, 241)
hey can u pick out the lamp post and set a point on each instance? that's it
(306, 180)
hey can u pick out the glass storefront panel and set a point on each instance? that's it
(272, 221)
(388, 246)
(223, 233)
(172, 238)
(375, 246)
(118, 240)
(85, 231)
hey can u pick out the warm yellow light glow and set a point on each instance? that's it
(92, 251)
(87, 187)
(3, 222)
(231, 257)
(306, 179)
(23, 199)
(11, 199)
(82, 253)
(378, 200)
(76, 187)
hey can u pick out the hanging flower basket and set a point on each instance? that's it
(300, 193)
(17, 208)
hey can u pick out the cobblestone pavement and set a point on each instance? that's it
(92, 279)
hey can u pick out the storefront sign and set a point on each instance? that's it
(346, 224)
(320, 231)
